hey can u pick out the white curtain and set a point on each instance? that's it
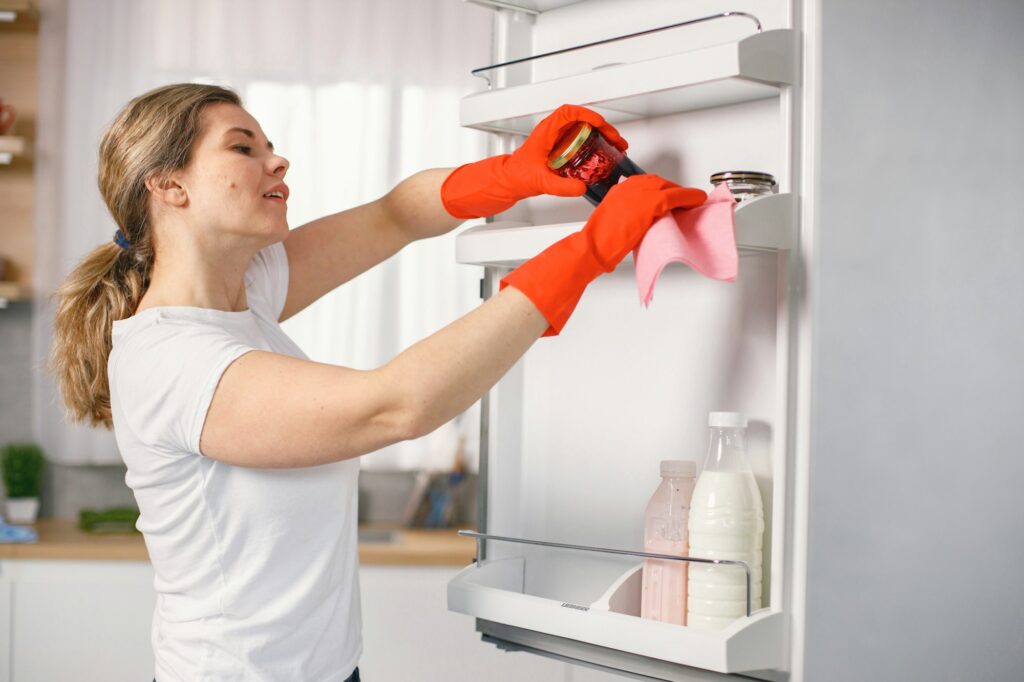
(358, 94)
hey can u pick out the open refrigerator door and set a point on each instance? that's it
(572, 436)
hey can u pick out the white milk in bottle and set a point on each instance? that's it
(665, 531)
(726, 522)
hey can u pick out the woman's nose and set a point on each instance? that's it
(279, 165)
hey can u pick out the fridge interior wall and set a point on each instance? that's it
(621, 389)
(580, 425)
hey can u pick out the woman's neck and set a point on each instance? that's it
(193, 283)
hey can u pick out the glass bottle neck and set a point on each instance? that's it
(726, 450)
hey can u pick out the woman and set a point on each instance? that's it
(240, 451)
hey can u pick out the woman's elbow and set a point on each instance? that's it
(409, 424)
(401, 420)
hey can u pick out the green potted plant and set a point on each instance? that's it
(22, 465)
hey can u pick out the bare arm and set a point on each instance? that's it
(326, 253)
(447, 372)
(272, 410)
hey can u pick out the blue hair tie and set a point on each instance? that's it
(121, 240)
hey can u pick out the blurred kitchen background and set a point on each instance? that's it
(354, 109)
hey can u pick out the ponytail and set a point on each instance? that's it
(154, 133)
(107, 285)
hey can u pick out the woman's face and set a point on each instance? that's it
(234, 180)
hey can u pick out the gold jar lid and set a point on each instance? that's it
(568, 144)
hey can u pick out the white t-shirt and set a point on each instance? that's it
(256, 569)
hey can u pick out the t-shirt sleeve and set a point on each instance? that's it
(166, 375)
(266, 281)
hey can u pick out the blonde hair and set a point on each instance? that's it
(153, 134)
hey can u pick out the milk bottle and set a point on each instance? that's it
(665, 531)
(726, 522)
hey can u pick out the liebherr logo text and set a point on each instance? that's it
(575, 606)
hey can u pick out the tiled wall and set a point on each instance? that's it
(15, 374)
(66, 489)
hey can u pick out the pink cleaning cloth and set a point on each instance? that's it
(703, 238)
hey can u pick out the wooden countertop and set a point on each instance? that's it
(61, 539)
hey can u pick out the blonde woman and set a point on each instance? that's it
(241, 452)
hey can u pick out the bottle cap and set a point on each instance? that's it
(728, 420)
(678, 467)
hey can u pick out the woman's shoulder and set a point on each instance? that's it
(176, 335)
(177, 321)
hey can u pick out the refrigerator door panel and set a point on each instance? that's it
(573, 435)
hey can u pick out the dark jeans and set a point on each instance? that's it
(354, 677)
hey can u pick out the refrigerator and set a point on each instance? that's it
(847, 341)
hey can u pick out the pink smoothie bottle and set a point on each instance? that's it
(665, 532)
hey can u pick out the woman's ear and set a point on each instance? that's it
(166, 189)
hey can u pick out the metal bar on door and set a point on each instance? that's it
(521, 60)
(480, 537)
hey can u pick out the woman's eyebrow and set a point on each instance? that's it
(248, 133)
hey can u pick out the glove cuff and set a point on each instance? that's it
(477, 190)
(555, 279)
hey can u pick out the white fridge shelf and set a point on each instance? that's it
(753, 68)
(494, 591)
(528, 6)
(765, 224)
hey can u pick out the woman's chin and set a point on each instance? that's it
(277, 230)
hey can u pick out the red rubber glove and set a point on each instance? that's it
(493, 185)
(555, 278)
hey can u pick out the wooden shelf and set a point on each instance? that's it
(61, 539)
(12, 292)
(766, 224)
(18, 15)
(12, 147)
(753, 68)
(19, 67)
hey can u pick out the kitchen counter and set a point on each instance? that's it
(61, 539)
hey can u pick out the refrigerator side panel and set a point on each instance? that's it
(916, 470)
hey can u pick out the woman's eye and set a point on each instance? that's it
(243, 149)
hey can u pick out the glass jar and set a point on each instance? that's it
(584, 154)
(746, 184)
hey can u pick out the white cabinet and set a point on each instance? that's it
(90, 620)
(75, 620)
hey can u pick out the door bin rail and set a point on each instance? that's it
(482, 537)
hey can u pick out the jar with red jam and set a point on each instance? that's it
(584, 154)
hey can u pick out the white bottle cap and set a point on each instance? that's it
(728, 420)
(678, 467)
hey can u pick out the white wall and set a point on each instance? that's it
(916, 516)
